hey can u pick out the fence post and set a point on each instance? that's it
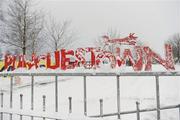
(11, 92)
(32, 94)
(85, 97)
(138, 112)
(44, 104)
(11, 95)
(157, 98)
(2, 94)
(179, 111)
(70, 104)
(1, 105)
(21, 101)
(21, 104)
(118, 97)
(56, 93)
(101, 107)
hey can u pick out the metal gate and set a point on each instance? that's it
(32, 114)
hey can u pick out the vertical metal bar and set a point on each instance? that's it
(179, 112)
(21, 104)
(32, 94)
(137, 108)
(85, 97)
(101, 107)
(44, 105)
(21, 101)
(11, 92)
(118, 97)
(157, 98)
(11, 95)
(56, 93)
(10, 116)
(70, 104)
(2, 94)
(1, 105)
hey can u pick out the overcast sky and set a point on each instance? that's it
(152, 20)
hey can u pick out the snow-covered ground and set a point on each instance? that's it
(133, 89)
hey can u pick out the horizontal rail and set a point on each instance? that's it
(134, 111)
(44, 115)
(176, 73)
(32, 113)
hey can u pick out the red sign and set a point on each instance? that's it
(70, 59)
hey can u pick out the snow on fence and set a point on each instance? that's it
(54, 116)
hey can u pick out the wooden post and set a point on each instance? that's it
(85, 97)
(118, 97)
(137, 108)
(11, 95)
(56, 93)
(70, 105)
(101, 107)
(21, 104)
(32, 95)
(158, 98)
(44, 104)
(1, 105)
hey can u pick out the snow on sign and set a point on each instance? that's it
(136, 55)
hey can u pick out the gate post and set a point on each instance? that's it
(21, 104)
(44, 104)
(11, 92)
(118, 97)
(11, 96)
(137, 108)
(101, 107)
(157, 98)
(179, 111)
(85, 97)
(21, 101)
(1, 105)
(32, 94)
(56, 93)
(70, 104)
(2, 99)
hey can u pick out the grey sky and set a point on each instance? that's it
(153, 21)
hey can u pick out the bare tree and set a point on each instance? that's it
(37, 36)
(1, 10)
(1, 18)
(60, 34)
(175, 42)
(23, 26)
